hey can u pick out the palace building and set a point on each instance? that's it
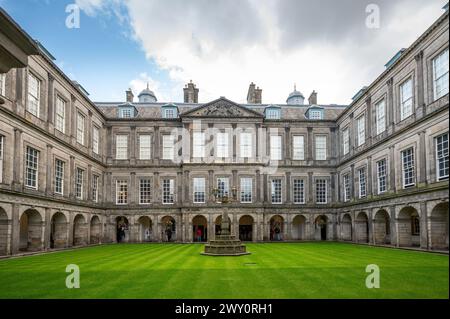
(74, 172)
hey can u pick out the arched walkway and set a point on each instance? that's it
(439, 226)
(346, 228)
(246, 228)
(96, 230)
(321, 228)
(382, 228)
(169, 228)
(122, 230)
(199, 229)
(362, 228)
(145, 229)
(59, 231)
(408, 223)
(218, 222)
(80, 231)
(30, 231)
(299, 228)
(276, 228)
(3, 232)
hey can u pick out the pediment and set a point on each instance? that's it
(222, 108)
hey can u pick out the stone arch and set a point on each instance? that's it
(145, 229)
(382, 227)
(199, 228)
(362, 228)
(246, 228)
(299, 227)
(346, 227)
(169, 228)
(122, 229)
(59, 231)
(276, 228)
(31, 225)
(80, 230)
(3, 232)
(321, 228)
(218, 222)
(95, 230)
(408, 223)
(439, 226)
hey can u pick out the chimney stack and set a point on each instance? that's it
(313, 98)
(190, 93)
(129, 95)
(254, 95)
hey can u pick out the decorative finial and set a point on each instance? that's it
(147, 86)
(295, 86)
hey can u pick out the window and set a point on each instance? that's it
(198, 140)
(321, 191)
(345, 141)
(34, 95)
(126, 113)
(222, 145)
(362, 182)
(59, 176)
(406, 97)
(80, 129)
(276, 191)
(246, 190)
(223, 187)
(321, 148)
(441, 156)
(380, 109)
(168, 147)
(315, 115)
(95, 180)
(440, 75)
(275, 147)
(31, 170)
(168, 191)
(121, 147)
(298, 147)
(408, 167)
(145, 191)
(60, 120)
(347, 190)
(415, 225)
(169, 113)
(199, 190)
(299, 191)
(361, 125)
(381, 176)
(246, 144)
(121, 192)
(2, 84)
(273, 114)
(145, 143)
(2, 145)
(79, 177)
(95, 140)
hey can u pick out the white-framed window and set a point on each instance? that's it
(169, 113)
(79, 183)
(168, 191)
(145, 191)
(299, 191)
(276, 192)
(408, 168)
(80, 128)
(321, 147)
(362, 182)
(95, 140)
(442, 156)
(298, 147)
(245, 144)
(380, 110)
(95, 180)
(406, 99)
(246, 190)
(315, 115)
(346, 141)
(347, 190)
(59, 177)
(440, 75)
(382, 176)
(121, 192)
(145, 146)
(361, 126)
(321, 191)
(168, 147)
(2, 152)
(2, 84)
(34, 94)
(198, 139)
(31, 168)
(126, 113)
(275, 148)
(223, 186)
(60, 112)
(273, 114)
(121, 147)
(222, 144)
(199, 190)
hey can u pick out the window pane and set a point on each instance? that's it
(121, 146)
(246, 190)
(145, 147)
(298, 147)
(321, 147)
(246, 144)
(275, 148)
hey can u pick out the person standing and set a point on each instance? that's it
(199, 234)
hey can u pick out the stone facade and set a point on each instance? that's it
(97, 195)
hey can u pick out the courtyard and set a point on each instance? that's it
(273, 270)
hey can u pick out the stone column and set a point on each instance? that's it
(156, 189)
(134, 190)
(156, 148)
(15, 229)
(390, 106)
(310, 188)
(258, 186)
(179, 182)
(209, 196)
(73, 119)
(233, 135)
(422, 154)
(333, 187)
(72, 177)
(47, 228)
(287, 148)
(421, 107)
(17, 185)
(352, 138)
(368, 119)
(89, 183)
(18, 106)
(186, 185)
(309, 155)
(288, 188)
(423, 226)
(265, 186)
(392, 184)
(257, 149)
(50, 99)
(133, 145)
(353, 191)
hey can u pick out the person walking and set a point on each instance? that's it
(199, 234)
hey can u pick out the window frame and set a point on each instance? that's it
(296, 193)
(246, 145)
(435, 79)
(325, 195)
(316, 148)
(276, 149)
(59, 176)
(33, 170)
(199, 190)
(145, 191)
(60, 114)
(168, 195)
(347, 188)
(299, 149)
(445, 158)
(382, 177)
(246, 190)
(404, 115)
(81, 128)
(145, 150)
(95, 140)
(198, 144)
(380, 128)
(361, 129)
(411, 168)
(95, 184)
(168, 150)
(79, 183)
(36, 99)
(121, 147)
(362, 176)
(121, 192)
(222, 145)
(273, 191)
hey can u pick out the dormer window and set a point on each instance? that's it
(127, 111)
(273, 113)
(314, 113)
(169, 111)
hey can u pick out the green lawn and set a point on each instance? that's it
(278, 270)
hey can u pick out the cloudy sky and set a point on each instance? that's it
(223, 45)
